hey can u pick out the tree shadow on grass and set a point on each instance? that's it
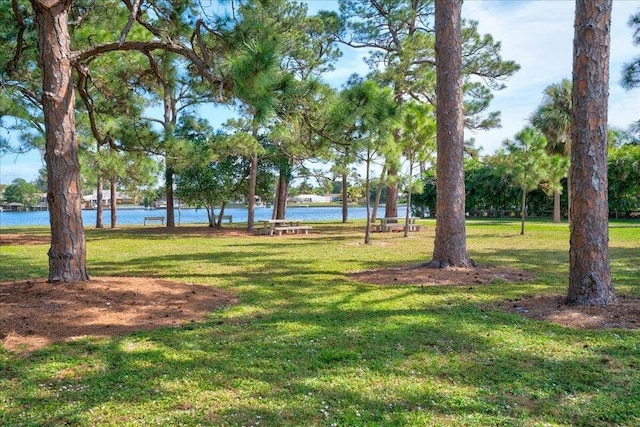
(325, 364)
(15, 267)
(308, 347)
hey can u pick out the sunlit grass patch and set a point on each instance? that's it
(307, 345)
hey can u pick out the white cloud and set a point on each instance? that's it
(539, 36)
(536, 34)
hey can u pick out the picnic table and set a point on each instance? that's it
(280, 226)
(397, 224)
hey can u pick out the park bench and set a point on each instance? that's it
(229, 218)
(153, 218)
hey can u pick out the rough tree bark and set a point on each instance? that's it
(170, 117)
(168, 189)
(450, 247)
(367, 201)
(557, 215)
(253, 179)
(523, 210)
(99, 195)
(113, 205)
(589, 270)
(345, 199)
(407, 214)
(282, 190)
(251, 202)
(376, 203)
(67, 255)
(391, 204)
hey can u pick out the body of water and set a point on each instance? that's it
(188, 216)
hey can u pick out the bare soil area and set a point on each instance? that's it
(189, 230)
(183, 230)
(423, 276)
(624, 314)
(36, 314)
(23, 239)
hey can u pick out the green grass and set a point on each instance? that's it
(308, 346)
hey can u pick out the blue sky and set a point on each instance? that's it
(538, 34)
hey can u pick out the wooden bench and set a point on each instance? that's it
(153, 218)
(293, 228)
(227, 217)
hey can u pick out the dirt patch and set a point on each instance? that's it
(24, 239)
(623, 314)
(189, 230)
(420, 275)
(185, 231)
(36, 314)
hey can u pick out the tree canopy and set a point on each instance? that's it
(108, 88)
(23, 192)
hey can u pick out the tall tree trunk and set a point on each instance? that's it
(285, 196)
(221, 214)
(407, 214)
(211, 216)
(367, 202)
(345, 198)
(281, 196)
(589, 269)
(169, 117)
(523, 210)
(450, 247)
(114, 203)
(67, 255)
(391, 204)
(251, 202)
(274, 211)
(253, 178)
(569, 196)
(557, 214)
(168, 187)
(99, 223)
(376, 203)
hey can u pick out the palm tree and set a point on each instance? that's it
(553, 119)
(527, 164)
(417, 142)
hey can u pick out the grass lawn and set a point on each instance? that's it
(308, 346)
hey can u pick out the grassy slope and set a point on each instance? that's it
(307, 346)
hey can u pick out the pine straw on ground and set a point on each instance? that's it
(36, 314)
(552, 308)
